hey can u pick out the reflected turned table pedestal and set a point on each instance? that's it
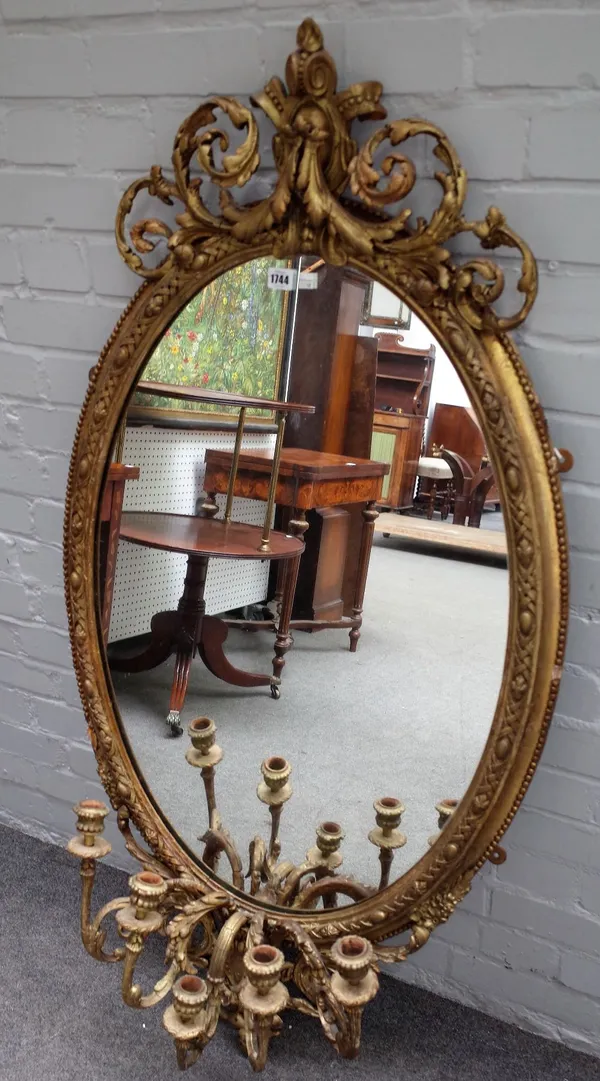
(317, 484)
(189, 630)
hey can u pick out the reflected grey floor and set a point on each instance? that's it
(492, 519)
(63, 1019)
(406, 716)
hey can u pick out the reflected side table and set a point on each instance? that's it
(310, 481)
(189, 630)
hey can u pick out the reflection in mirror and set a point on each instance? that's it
(354, 682)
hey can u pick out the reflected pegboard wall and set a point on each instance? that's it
(171, 464)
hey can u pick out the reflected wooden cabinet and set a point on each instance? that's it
(397, 440)
(402, 390)
(333, 367)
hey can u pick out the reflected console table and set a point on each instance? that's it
(314, 487)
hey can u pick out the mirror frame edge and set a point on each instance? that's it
(428, 892)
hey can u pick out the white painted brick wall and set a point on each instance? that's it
(93, 89)
(35, 135)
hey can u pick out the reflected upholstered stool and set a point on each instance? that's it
(436, 469)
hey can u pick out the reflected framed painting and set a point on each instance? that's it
(230, 337)
(383, 309)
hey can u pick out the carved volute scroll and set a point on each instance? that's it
(328, 198)
(339, 200)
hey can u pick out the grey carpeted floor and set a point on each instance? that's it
(62, 1018)
(406, 716)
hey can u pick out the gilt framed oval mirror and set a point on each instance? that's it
(313, 548)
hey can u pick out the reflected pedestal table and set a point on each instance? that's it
(189, 630)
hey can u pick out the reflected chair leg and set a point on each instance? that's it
(284, 640)
(475, 512)
(370, 515)
(461, 505)
(432, 498)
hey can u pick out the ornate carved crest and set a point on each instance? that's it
(329, 197)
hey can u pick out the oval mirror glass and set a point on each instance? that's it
(370, 664)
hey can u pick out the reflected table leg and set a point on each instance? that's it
(191, 609)
(296, 525)
(108, 553)
(284, 640)
(186, 632)
(370, 515)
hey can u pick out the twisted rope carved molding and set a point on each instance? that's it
(330, 199)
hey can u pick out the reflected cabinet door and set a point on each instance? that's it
(396, 440)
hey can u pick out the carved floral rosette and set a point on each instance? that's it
(329, 199)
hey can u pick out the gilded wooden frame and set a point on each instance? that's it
(317, 160)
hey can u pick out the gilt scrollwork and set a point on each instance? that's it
(425, 918)
(329, 196)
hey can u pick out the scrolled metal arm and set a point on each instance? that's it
(93, 935)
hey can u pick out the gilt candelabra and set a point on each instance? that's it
(226, 961)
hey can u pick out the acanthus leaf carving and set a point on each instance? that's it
(317, 159)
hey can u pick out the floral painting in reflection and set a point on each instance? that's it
(229, 337)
